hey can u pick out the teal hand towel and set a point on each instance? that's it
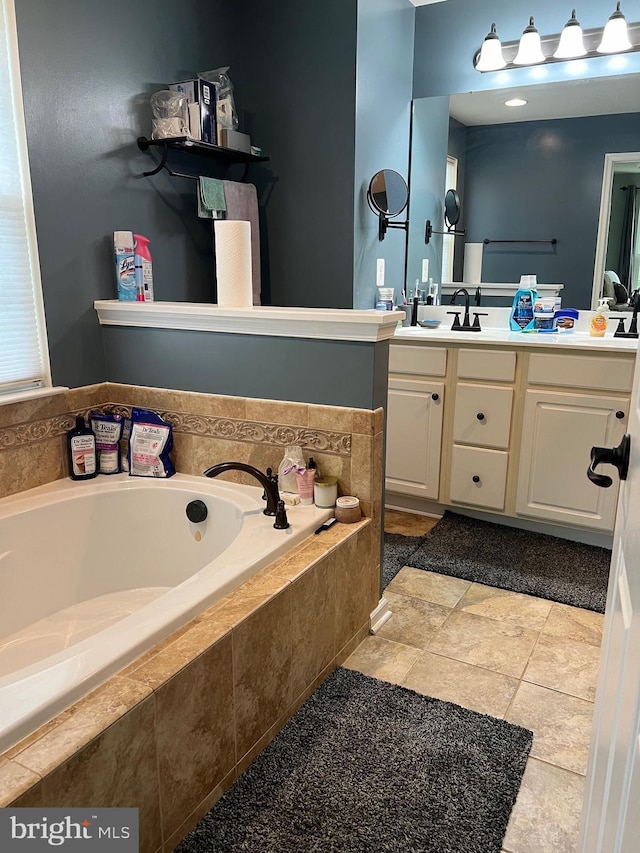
(211, 201)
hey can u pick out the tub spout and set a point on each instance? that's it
(270, 486)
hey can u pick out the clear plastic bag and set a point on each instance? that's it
(292, 462)
(226, 109)
(169, 114)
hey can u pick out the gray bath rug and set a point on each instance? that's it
(368, 766)
(396, 551)
(519, 560)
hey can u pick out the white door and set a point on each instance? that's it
(611, 815)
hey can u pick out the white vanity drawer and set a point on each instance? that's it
(482, 415)
(478, 477)
(486, 364)
(419, 360)
(581, 371)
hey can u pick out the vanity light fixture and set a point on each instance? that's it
(530, 48)
(572, 43)
(490, 57)
(615, 38)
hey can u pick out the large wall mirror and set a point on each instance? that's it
(528, 175)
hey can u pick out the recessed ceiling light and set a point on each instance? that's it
(515, 102)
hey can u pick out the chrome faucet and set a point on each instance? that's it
(275, 506)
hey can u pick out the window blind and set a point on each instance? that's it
(24, 361)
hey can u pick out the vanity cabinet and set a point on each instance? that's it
(560, 427)
(415, 405)
(505, 431)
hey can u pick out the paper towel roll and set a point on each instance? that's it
(233, 263)
(473, 263)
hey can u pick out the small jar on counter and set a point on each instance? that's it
(325, 492)
(348, 510)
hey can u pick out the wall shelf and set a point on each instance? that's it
(228, 156)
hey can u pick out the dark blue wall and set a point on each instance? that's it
(87, 72)
(87, 82)
(538, 180)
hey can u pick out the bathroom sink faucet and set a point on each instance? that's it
(465, 326)
(274, 506)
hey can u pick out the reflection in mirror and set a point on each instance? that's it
(387, 196)
(525, 174)
(451, 208)
(617, 266)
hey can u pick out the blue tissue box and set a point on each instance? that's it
(202, 93)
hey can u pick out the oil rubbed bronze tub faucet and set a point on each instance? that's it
(275, 506)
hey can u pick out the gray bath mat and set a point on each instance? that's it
(396, 551)
(519, 560)
(365, 765)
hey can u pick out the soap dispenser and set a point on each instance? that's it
(81, 447)
(600, 320)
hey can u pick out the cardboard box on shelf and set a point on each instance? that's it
(234, 139)
(201, 100)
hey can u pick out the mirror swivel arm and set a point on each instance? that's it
(384, 222)
(429, 231)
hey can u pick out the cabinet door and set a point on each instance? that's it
(558, 433)
(414, 435)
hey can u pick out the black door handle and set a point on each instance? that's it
(618, 456)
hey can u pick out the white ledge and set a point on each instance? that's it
(499, 288)
(322, 323)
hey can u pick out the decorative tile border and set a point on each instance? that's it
(256, 432)
(229, 429)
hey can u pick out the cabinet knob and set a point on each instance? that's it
(435, 397)
(480, 416)
(475, 478)
(620, 414)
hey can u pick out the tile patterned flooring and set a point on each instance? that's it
(523, 659)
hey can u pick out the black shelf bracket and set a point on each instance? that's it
(228, 156)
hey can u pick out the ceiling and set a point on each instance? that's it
(567, 99)
(425, 2)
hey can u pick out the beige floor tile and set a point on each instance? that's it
(407, 523)
(561, 725)
(575, 624)
(546, 816)
(565, 665)
(414, 621)
(383, 659)
(488, 643)
(440, 589)
(524, 610)
(470, 686)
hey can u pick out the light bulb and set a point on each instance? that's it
(615, 37)
(571, 44)
(491, 58)
(529, 49)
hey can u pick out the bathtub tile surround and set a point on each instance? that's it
(199, 707)
(346, 443)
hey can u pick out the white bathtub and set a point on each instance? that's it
(93, 574)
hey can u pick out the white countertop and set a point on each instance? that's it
(496, 332)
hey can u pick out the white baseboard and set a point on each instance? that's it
(379, 616)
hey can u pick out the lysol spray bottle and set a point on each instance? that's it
(125, 265)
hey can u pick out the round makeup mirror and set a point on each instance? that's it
(387, 196)
(388, 192)
(451, 208)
